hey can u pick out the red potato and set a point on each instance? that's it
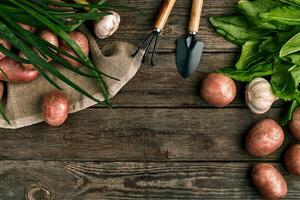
(15, 73)
(29, 66)
(82, 42)
(265, 137)
(292, 159)
(294, 124)
(218, 90)
(55, 108)
(49, 37)
(7, 45)
(269, 182)
(26, 66)
(27, 27)
(69, 60)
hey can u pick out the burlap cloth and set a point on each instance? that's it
(23, 102)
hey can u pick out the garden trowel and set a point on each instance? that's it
(189, 49)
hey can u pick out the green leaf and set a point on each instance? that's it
(2, 113)
(12, 55)
(250, 55)
(284, 121)
(292, 2)
(292, 58)
(289, 16)
(40, 64)
(252, 9)
(275, 41)
(62, 34)
(235, 29)
(260, 70)
(291, 46)
(285, 81)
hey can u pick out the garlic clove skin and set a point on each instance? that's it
(107, 25)
(259, 96)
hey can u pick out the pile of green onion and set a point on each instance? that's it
(60, 18)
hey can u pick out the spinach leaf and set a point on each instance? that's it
(235, 29)
(260, 70)
(292, 2)
(291, 46)
(252, 10)
(293, 58)
(250, 55)
(275, 41)
(289, 16)
(284, 121)
(285, 81)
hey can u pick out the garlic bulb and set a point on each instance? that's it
(259, 95)
(107, 25)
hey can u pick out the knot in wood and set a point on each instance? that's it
(168, 30)
(38, 194)
(168, 150)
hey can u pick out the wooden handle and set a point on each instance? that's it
(164, 14)
(195, 16)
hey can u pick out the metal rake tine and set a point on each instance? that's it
(142, 44)
(148, 47)
(154, 49)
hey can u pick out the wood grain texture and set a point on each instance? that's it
(162, 86)
(135, 26)
(161, 142)
(140, 135)
(115, 180)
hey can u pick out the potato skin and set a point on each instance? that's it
(49, 37)
(69, 60)
(55, 108)
(82, 42)
(26, 66)
(265, 137)
(269, 182)
(294, 124)
(292, 159)
(15, 73)
(7, 45)
(27, 27)
(218, 90)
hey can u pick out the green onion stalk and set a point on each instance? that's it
(61, 18)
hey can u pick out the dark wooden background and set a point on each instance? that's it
(161, 141)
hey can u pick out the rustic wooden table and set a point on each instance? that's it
(160, 142)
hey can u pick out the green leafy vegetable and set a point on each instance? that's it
(292, 2)
(284, 121)
(269, 33)
(284, 81)
(235, 29)
(291, 46)
(289, 16)
(252, 10)
(250, 54)
(259, 70)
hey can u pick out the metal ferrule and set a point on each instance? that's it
(157, 30)
(193, 33)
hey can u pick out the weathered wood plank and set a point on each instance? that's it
(91, 181)
(135, 26)
(162, 86)
(140, 135)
